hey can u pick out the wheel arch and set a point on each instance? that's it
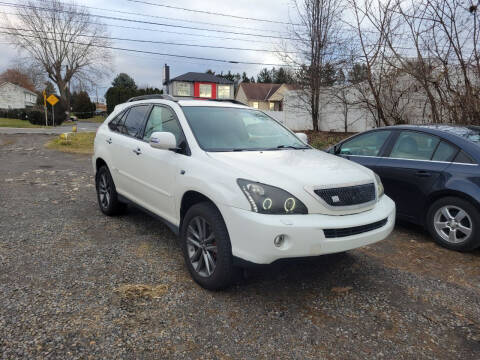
(99, 162)
(190, 198)
(448, 193)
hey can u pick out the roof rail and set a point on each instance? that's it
(233, 101)
(153, 96)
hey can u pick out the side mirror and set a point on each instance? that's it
(163, 140)
(336, 149)
(303, 137)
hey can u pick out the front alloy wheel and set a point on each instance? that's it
(104, 191)
(201, 246)
(206, 247)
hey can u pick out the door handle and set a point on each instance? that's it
(423, 173)
(137, 151)
(109, 140)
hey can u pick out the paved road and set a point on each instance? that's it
(77, 284)
(82, 127)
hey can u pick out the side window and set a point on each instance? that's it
(114, 125)
(445, 152)
(134, 121)
(414, 145)
(163, 119)
(463, 158)
(365, 145)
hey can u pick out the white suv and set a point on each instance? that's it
(234, 184)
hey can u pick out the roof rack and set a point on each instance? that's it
(153, 96)
(233, 101)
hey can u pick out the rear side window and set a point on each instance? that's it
(463, 158)
(365, 145)
(414, 146)
(115, 124)
(133, 125)
(444, 152)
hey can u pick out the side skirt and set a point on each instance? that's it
(175, 229)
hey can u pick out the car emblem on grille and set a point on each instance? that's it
(335, 199)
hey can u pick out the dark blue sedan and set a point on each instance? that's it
(432, 174)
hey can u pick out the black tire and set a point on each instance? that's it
(107, 194)
(223, 272)
(459, 240)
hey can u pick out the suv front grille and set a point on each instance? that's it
(336, 233)
(347, 196)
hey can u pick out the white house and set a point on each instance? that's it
(16, 97)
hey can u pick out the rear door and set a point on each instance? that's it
(366, 148)
(411, 170)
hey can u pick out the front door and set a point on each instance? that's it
(158, 169)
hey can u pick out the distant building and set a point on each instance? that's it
(100, 107)
(16, 97)
(263, 96)
(200, 85)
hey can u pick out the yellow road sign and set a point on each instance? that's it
(52, 100)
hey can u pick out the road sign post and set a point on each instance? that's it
(45, 107)
(52, 100)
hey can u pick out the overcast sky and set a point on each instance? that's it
(147, 69)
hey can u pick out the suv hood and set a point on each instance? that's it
(297, 171)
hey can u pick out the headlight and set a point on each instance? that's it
(380, 189)
(268, 199)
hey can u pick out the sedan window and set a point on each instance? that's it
(163, 119)
(445, 152)
(368, 144)
(414, 146)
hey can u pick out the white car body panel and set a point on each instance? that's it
(158, 179)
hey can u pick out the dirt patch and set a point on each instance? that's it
(140, 291)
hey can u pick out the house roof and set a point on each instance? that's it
(259, 91)
(21, 87)
(201, 77)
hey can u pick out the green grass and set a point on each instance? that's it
(95, 119)
(323, 139)
(17, 123)
(79, 143)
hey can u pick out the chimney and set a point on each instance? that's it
(166, 74)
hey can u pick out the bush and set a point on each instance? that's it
(82, 105)
(36, 116)
(13, 113)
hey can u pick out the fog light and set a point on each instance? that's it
(278, 241)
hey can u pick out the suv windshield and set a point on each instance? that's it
(237, 129)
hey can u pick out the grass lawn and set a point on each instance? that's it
(79, 143)
(17, 123)
(323, 139)
(95, 119)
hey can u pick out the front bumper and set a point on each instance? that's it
(252, 234)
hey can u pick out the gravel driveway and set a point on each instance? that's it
(76, 284)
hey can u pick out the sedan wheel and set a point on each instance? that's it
(201, 246)
(453, 224)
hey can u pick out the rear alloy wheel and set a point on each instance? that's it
(106, 193)
(453, 223)
(206, 247)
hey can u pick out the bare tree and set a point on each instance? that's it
(61, 38)
(317, 39)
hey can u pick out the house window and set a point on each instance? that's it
(182, 89)
(223, 92)
(205, 90)
(271, 106)
(255, 105)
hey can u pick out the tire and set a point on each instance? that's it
(204, 239)
(454, 223)
(107, 194)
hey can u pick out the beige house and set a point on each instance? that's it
(263, 96)
(16, 97)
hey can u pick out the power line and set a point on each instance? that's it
(212, 13)
(149, 22)
(156, 30)
(177, 19)
(150, 41)
(152, 52)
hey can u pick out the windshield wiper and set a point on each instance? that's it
(291, 147)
